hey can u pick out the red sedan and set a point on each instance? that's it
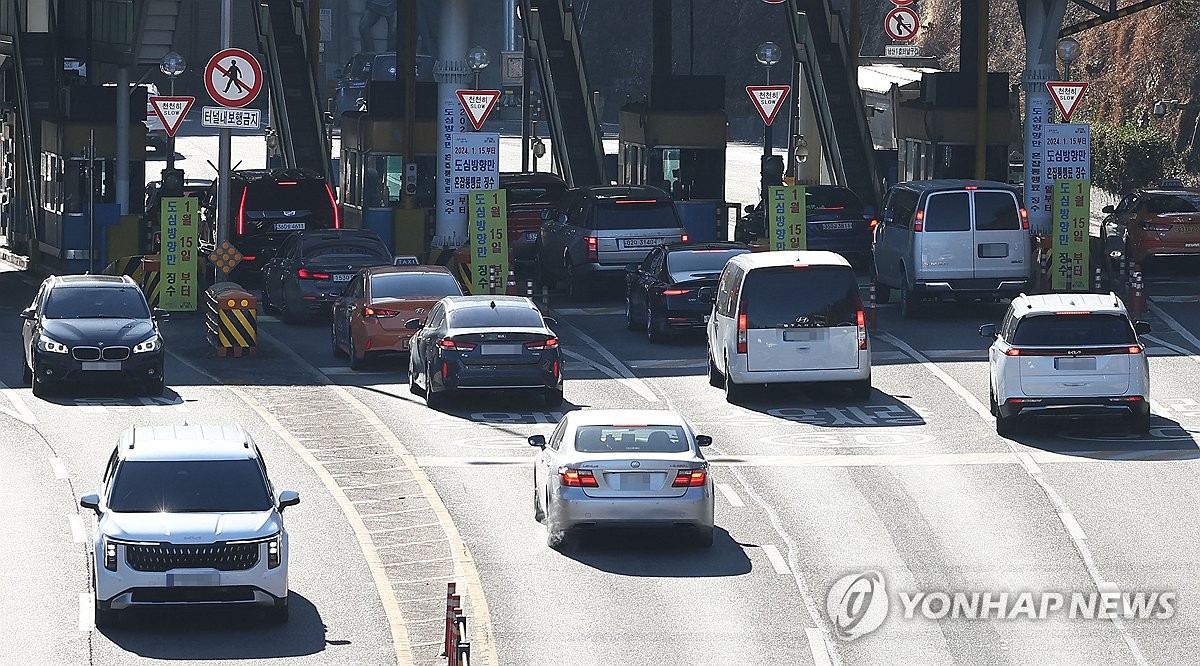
(1154, 223)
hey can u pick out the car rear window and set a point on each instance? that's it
(95, 302)
(384, 68)
(831, 198)
(950, 211)
(408, 285)
(1069, 330)
(189, 486)
(309, 195)
(996, 211)
(614, 215)
(1172, 203)
(808, 297)
(631, 439)
(533, 194)
(357, 248)
(484, 317)
(700, 261)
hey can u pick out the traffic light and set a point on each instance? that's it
(772, 170)
(172, 183)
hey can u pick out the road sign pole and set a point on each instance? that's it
(224, 158)
(171, 136)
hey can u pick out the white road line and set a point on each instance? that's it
(20, 411)
(1073, 527)
(1175, 348)
(776, 559)
(634, 383)
(87, 615)
(730, 495)
(60, 470)
(339, 370)
(949, 381)
(78, 533)
(1178, 328)
(668, 363)
(1029, 463)
(817, 646)
(583, 312)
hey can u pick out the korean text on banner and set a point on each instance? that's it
(1071, 235)
(489, 240)
(787, 218)
(177, 265)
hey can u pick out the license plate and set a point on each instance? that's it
(289, 226)
(837, 225)
(101, 365)
(531, 235)
(640, 242)
(342, 277)
(495, 350)
(706, 318)
(1189, 229)
(193, 580)
(633, 481)
(1075, 363)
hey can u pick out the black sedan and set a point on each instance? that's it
(92, 328)
(663, 293)
(485, 342)
(312, 267)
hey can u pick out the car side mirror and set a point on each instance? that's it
(538, 441)
(988, 331)
(90, 501)
(1108, 209)
(29, 314)
(288, 498)
(160, 314)
(1142, 327)
(707, 295)
(413, 324)
(703, 440)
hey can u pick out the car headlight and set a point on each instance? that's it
(275, 551)
(52, 346)
(110, 553)
(152, 343)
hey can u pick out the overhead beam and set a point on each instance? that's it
(1106, 15)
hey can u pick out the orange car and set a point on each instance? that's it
(369, 318)
(1153, 223)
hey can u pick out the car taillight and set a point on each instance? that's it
(577, 478)
(684, 238)
(1012, 352)
(861, 318)
(1024, 219)
(337, 217)
(1155, 226)
(592, 250)
(249, 257)
(676, 292)
(274, 547)
(539, 345)
(305, 274)
(242, 212)
(919, 225)
(456, 345)
(689, 478)
(110, 555)
(379, 313)
(1133, 349)
(874, 223)
(742, 335)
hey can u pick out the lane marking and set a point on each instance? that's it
(60, 470)
(1173, 347)
(668, 363)
(776, 559)
(20, 411)
(599, 310)
(817, 646)
(1029, 463)
(1178, 328)
(87, 613)
(730, 496)
(1073, 526)
(632, 384)
(78, 533)
(637, 384)
(949, 381)
(342, 370)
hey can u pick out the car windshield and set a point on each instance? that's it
(408, 285)
(485, 317)
(288, 195)
(1173, 203)
(362, 248)
(805, 297)
(534, 194)
(189, 486)
(611, 215)
(831, 198)
(124, 302)
(700, 261)
(1070, 330)
(631, 439)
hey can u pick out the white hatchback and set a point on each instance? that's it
(1069, 355)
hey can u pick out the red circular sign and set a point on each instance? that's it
(233, 78)
(902, 3)
(902, 24)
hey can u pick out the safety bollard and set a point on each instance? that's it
(231, 319)
(1137, 296)
(529, 289)
(1098, 280)
(452, 601)
(545, 297)
(872, 304)
(492, 279)
(511, 286)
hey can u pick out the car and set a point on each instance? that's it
(186, 515)
(485, 342)
(93, 329)
(267, 206)
(369, 318)
(604, 468)
(1153, 222)
(598, 231)
(951, 239)
(788, 316)
(1068, 355)
(350, 88)
(835, 220)
(665, 293)
(311, 269)
(528, 195)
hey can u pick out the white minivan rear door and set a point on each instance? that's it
(801, 318)
(1001, 240)
(945, 244)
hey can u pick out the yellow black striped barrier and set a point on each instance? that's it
(231, 319)
(149, 280)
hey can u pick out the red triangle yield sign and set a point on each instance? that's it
(768, 100)
(1066, 95)
(478, 104)
(171, 111)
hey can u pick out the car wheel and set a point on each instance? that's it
(733, 391)
(154, 387)
(541, 277)
(538, 514)
(286, 313)
(1139, 423)
(337, 350)
(908, 307)
(106, 617)
(278, 614)
(630, 322)
(1006, 426)
(655, 327)
(715, 378)
(883, 293)
(26, 373)
(553, 398)
(265, 301)
(356, 363)
(576, 289)
(861, 389)
(703, 538)
(558, 539)
(433, 400)
(413, 388)
(992, 402)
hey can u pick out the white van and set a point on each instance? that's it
(951, 239)
(788, 317)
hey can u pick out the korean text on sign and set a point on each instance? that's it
(488, 227)
(787, 218)
(1070, 235)
(177, 265)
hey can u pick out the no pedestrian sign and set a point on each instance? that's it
(768, 100)
(233, 78)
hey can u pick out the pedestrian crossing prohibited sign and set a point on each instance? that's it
(233, 78)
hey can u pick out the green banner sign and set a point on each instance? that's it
(786, 217)
(487, 221)
(178, 279)
(1071, 234)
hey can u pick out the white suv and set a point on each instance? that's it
(1071, 355)
(188, 516)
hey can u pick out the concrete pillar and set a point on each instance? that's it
(661, 28)
(1043, 20)
(451, 72)
(510, 25)
(122, 175)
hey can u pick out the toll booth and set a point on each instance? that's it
(676, 141)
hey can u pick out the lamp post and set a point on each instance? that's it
(1068, 52)
(768, 55)
(478, 59)
(172, 65)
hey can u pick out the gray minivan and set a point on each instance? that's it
(951, 239)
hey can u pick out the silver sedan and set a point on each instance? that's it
(622, 468)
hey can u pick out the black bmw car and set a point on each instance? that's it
(92, 328)
(663, 293)
(485, 342)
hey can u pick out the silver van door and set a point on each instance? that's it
(945, 246)
(1001, 240)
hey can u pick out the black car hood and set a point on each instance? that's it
(114, 331)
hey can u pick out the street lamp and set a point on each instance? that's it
(172, 65)
(478, 59)
(1068, 52)
(768, 55)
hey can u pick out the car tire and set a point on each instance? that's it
(26, 373)
(541, 277)
(995, 409)
(631, 323)
(908, 307)
(553, 398)
(559, 540)
(1139, 423)
(278, 614)
(861, 389)
(356, 364)
(1006, 426)
(715, 378)
(703, 538)
(41, 388)
(433, 400)
(883, 293)
(265, 301)
(655, 328)
(337, 350)
(413, 388)
(538, 514)
(154, 387)
(106, 617)
(286, 313)
(734, 392)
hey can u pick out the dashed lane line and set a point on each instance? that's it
(730, 496)
(87, 614)
(60, 470)
(626, 375)
(1073, 526)
(776, 559)
(1178, 328)
(78, 532)
(584, 312)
